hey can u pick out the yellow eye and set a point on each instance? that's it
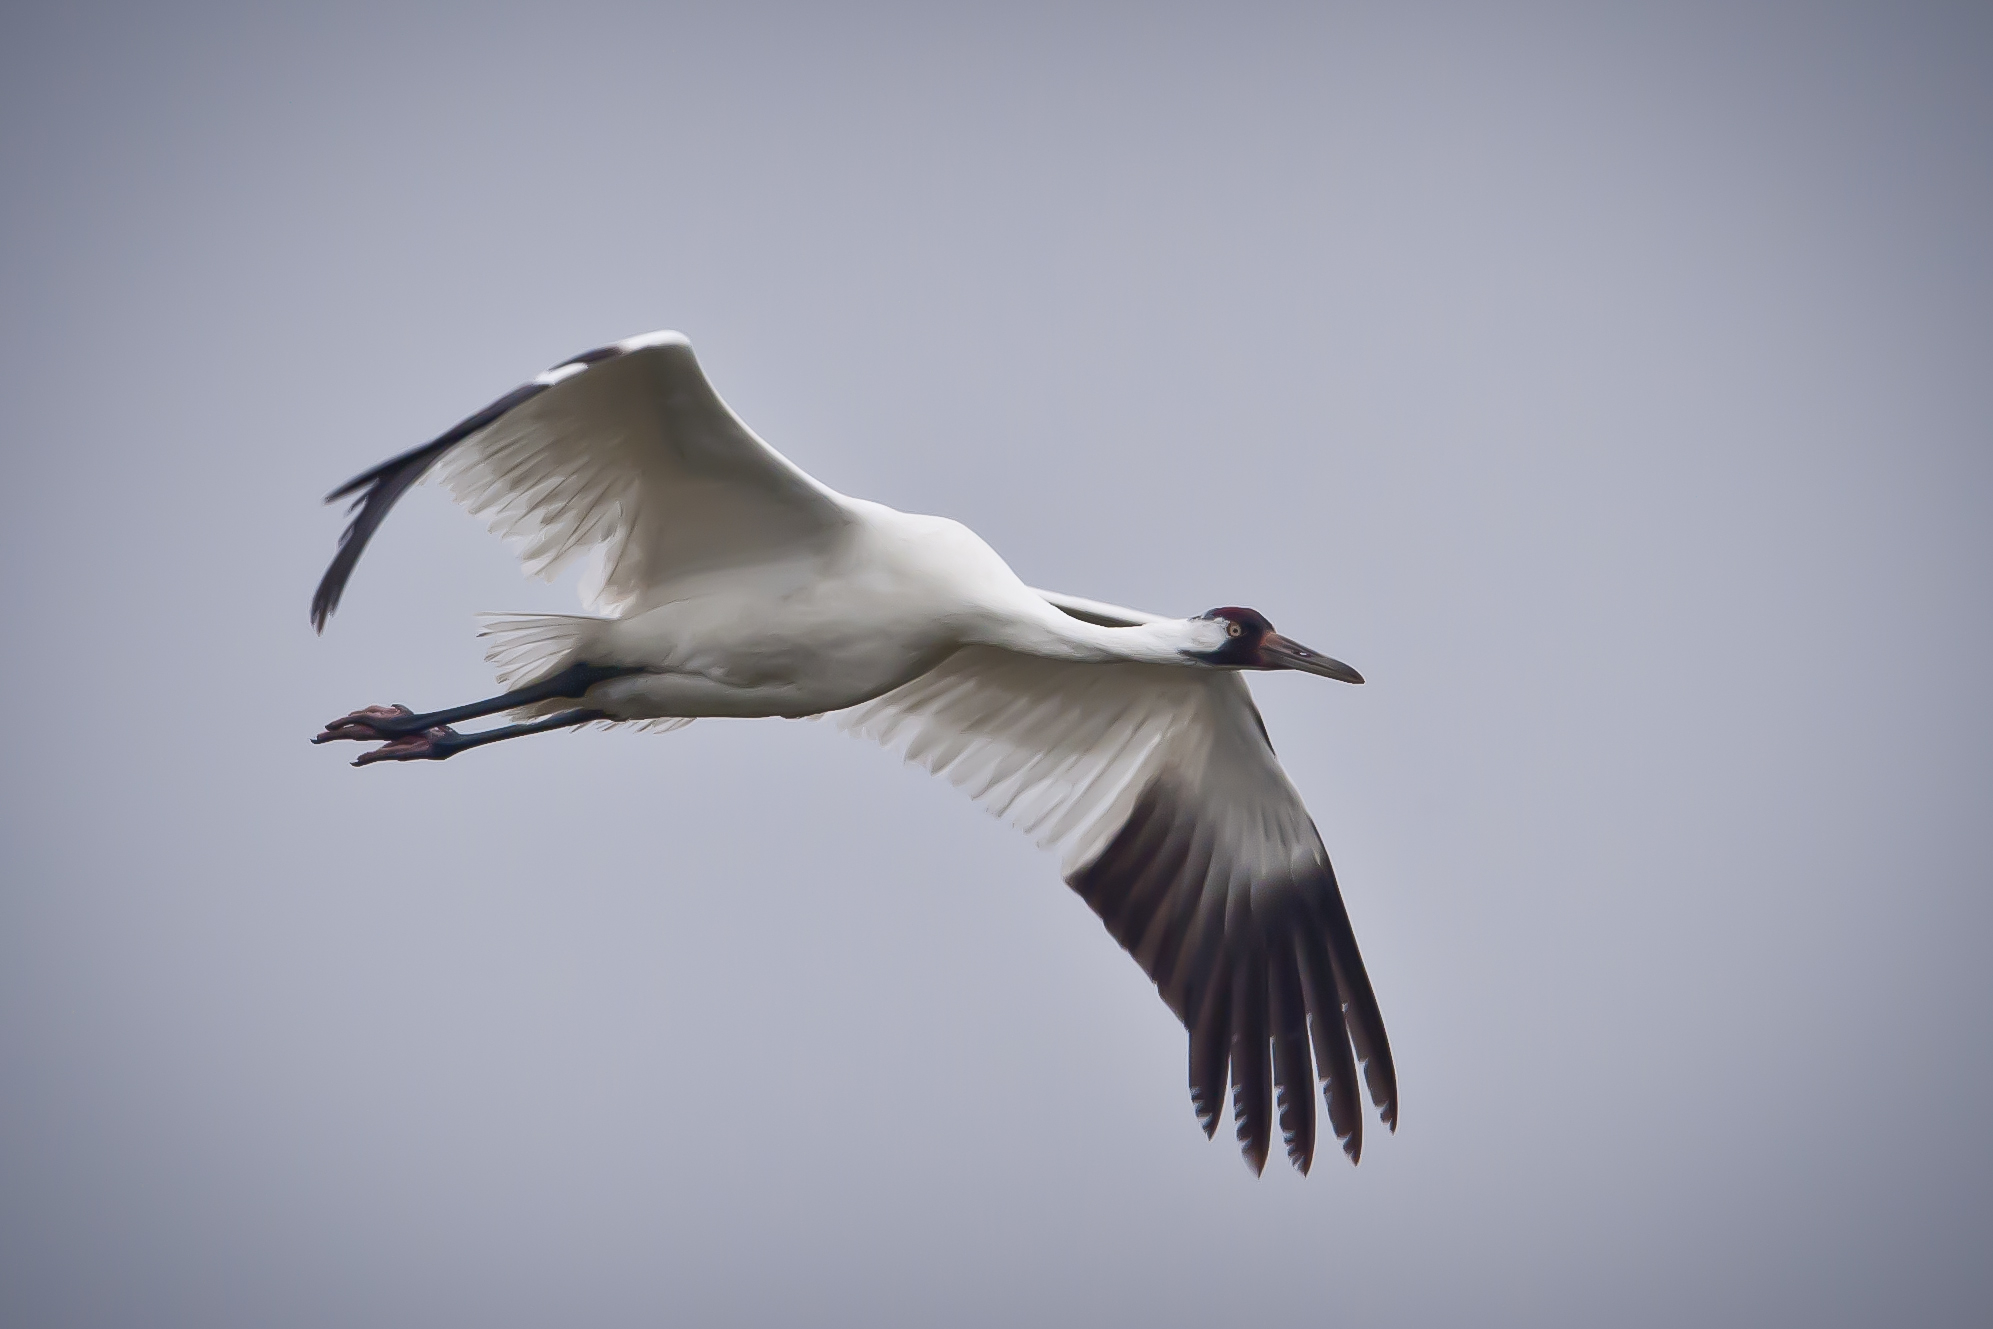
(1232, 629)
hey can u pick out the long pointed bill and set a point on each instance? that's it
(1280, 652)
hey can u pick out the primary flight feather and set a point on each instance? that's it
(726, 581)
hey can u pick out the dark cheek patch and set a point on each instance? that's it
(1241, 651)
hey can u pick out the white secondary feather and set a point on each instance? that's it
(638, 461)
(1064, 750)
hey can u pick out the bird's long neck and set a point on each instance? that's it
(1044, 631)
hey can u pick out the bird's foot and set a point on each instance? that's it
(431, 744)
(391, 727)
(373, 724)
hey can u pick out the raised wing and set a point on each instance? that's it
(1182, 832)
(626, 452)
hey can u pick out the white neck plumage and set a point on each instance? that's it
(1058, 636)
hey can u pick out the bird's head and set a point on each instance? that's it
(1251, 643)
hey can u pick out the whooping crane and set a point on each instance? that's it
(731, 583)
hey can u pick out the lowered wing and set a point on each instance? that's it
(1183, 834)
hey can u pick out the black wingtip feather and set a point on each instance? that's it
(1360, 1014)
(1265, 977)
(1210, 1044)
(1333, 1060)
(380, 488)
(1252, 1087)
(1293, 1068)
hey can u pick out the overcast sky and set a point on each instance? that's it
(1612, 385)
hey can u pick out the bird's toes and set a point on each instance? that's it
(432, 744)
(364, 725)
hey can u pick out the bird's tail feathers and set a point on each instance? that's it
(526, 648)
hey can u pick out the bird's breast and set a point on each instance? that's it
(787, 648)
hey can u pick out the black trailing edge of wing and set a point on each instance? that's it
(1265, 976)
(379, 489)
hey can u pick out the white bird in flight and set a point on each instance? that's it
(728, 582)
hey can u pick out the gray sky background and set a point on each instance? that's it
(1610, 384)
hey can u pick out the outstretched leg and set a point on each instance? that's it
(378, 723)
(440, 741)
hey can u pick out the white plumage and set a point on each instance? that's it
(726, 581)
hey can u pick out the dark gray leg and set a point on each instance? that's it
(377, 723)
(440, 741)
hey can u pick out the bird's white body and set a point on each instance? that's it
(892, 596)
(727, 582)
